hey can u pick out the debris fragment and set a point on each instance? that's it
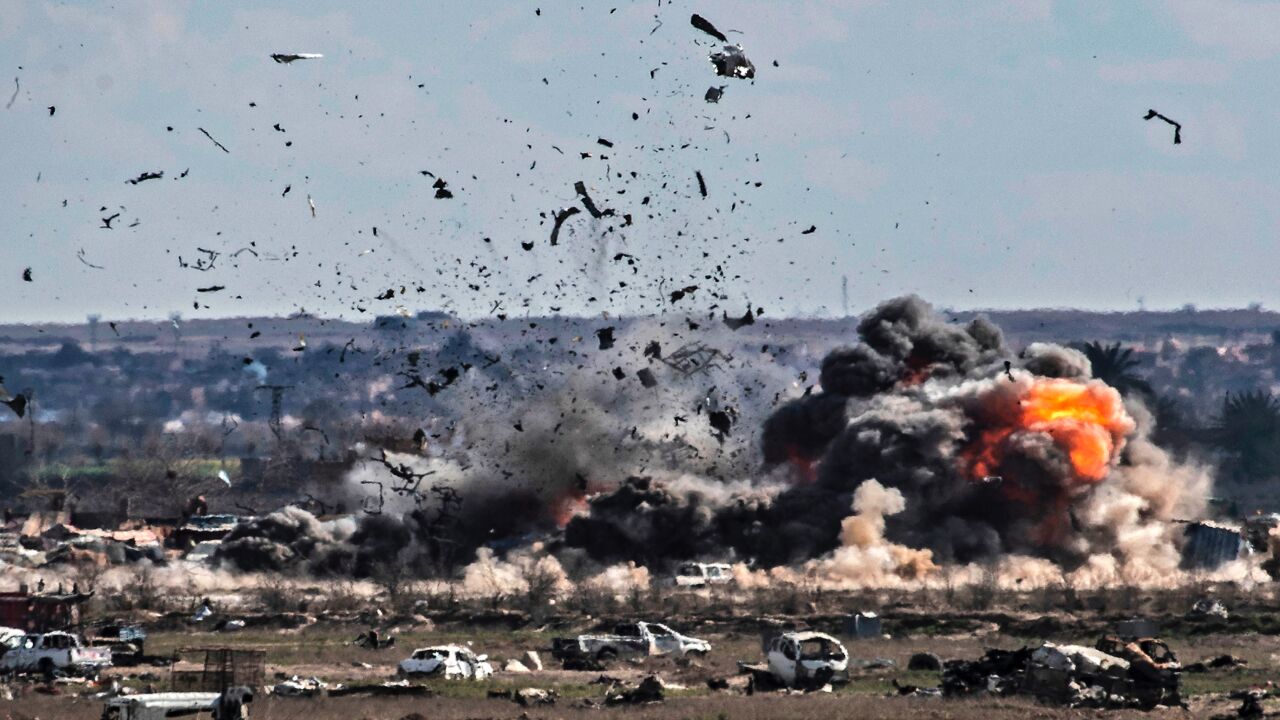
(732, 62)
(605, 335)
(702, 183)
(1177, 127)
(26, 275)
(290, 57)
(221, 147)
(581, 188)
(146, 176)
(734, 323)
(80, 256)
(561, 216)
(714, 93)
(705, 26)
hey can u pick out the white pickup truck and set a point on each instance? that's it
(638, 639)
(52, 653)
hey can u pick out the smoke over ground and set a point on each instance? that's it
(929, 444)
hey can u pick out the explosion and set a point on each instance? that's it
(981, 452)
(928, 443)
(1086, 420)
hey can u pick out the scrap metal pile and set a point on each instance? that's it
(1116, 673)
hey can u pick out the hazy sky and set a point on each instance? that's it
(982, 154)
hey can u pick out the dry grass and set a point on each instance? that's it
(759, 707)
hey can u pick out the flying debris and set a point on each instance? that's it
(211, 288)
(732, 62)
(734, 323)
(26, 275)
(106, 221)
(605, 336)
(812, 229)
(1177, 127)
(714, 93)
(442, 190)
(81, 257)
(705, 26)
(702, 183)
(290, 57)
(581, 189)
(302, 343)
(561, 216)
(146, 176)
(311, 203)
(16, 89)
(222, 475)
(691, 359)
(221, 147)
(17, 403)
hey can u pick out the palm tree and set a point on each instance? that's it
(1249, 430)
(1114, 366)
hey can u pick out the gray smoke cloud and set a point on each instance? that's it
(967, 432)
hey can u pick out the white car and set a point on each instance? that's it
(450, 662)
(703, 574)
(807, 659)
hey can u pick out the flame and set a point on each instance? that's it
(573, 501)
(805, 470)
(1087, 421)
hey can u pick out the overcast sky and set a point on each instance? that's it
(981, 154)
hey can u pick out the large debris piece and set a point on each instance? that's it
(732, 62)
(1116, 673)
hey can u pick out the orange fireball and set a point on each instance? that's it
(1086, 420)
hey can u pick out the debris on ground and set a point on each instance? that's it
(372, 640)
(925, 661)
(296, 687)
(1117, 673)
(1220, 662)
(1208, 609)
(650, 690)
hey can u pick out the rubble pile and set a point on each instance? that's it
(1118, 673)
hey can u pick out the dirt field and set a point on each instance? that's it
(324, 650)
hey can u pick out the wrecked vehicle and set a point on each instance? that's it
(9, 638)
(450, 662)
(703, 574)
(804, 660)
(1140, 673)
(55, 652)
(638, 639)
(226, 705)
(127, 643)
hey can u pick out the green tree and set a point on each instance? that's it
(1114, 365)
(1249, 431)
